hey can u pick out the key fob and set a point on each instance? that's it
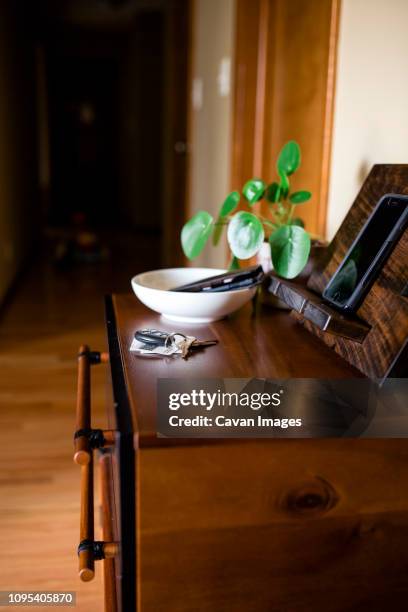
(151, 337)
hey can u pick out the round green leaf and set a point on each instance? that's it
(298, 197)
(289, 158)
(245, 234)
(290, 248)
(273, 192)
(195, 233)
(253, 190)
(230, 203)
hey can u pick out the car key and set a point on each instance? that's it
(190, 343)
(152, 337)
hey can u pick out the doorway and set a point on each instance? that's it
(116, 96)
(83, 132)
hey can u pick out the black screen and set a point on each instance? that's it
(358, 261)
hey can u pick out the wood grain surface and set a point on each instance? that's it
(40, 333)
(311, 306)
(261, 524)
(270, 345)
(296, 526)
(384, 309)
(41, 328)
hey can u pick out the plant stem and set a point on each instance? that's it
(267, 222)
(291, 209)
(234, 264)
(275, 215)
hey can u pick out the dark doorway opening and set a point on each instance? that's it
(105, 101)
(113, 104)
(83, 137)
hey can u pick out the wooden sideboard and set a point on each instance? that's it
(245, 525)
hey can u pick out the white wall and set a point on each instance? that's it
(210, 141)
(371, 104)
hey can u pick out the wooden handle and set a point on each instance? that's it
(86, 527)
(82, 454)
(87, 551)
(85, 440)
(83, 450)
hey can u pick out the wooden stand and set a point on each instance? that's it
(375, 340)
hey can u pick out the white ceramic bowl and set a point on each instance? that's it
(152, 288)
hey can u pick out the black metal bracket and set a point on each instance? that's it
(94, 356)
(95, 437)
(96, 547)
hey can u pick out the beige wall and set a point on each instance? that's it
(17, 163)
(213, 34)
(371, 106)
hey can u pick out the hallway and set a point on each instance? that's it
(50, 314)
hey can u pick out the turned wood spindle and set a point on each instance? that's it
(86, 528)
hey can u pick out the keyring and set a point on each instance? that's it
(171, 338)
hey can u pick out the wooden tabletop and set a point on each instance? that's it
(271, 345)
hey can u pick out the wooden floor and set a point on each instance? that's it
(49, 316)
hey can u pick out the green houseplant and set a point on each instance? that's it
(248, 229)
